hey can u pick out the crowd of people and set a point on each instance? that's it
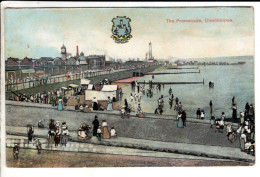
(102, 131)
(58, 133)
(245, 131)
(50, 97)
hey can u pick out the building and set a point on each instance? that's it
(57, 61)
(44, 61)
(81, 60)
(63, 54)
(96, 61)
(71, 61)
(27, 62)
(12, 61)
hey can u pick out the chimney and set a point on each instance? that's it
(77, 48)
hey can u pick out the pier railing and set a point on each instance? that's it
(58, 79)
(54, 79)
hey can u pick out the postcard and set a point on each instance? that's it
(129, 86)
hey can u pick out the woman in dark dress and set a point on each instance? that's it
(95, 126)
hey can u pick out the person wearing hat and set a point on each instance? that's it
(99, 132)
(110, 104)
(123, 111)
(230, 132)
(223, 116)
(113, 133)
(30, 131)
(242, 117)
(234, 113)
(81, 108)
(139, 111)
(198, 113)
(60, 106)
(64, 134)
(105, 129)
(15, 151)
(86, 109)
(57, 127)
(40, 124)
(38, 145)
(251, 112)
(95, 126)
(94, 103)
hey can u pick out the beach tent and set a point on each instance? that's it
(90, 87)
(100, 96)
(84, 82)
(111, 91)
(63, 90)
(74, 87)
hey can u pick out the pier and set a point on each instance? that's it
(156, 83)
(184, 68)
(62, 81)
(172, 73)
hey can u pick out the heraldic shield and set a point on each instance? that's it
(121, 29)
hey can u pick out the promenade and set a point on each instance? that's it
(151, 133)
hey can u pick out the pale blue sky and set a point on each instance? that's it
(45, 30)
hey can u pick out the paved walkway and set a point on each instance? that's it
(216, 152)
(156, 129)
(133, 114)
(101, 149)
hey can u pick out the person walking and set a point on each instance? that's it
(223, 116)
(184, 117)
(15, 152)
(180, 121)
(105, 130)
(176, 100)
(198, 113)
(57, 139)
(110, 104)
(38, 145)
(99, 132)
(95, 103)
(211, 106)
(131, 97)
(242, 117)
(64, 134)
(30, 131)
(251, 113)
(60, 106)
(233, 100)
(95, 124)
(113, 133)
(234, 113)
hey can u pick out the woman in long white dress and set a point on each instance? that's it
(180, 121)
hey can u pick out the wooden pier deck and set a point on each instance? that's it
(156, 83)
(171, 73)
(184, 68)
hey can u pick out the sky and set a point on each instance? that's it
(39, 33)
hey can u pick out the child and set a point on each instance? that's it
(113, 132)
(99, 133)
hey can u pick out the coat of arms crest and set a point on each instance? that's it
(121, 29)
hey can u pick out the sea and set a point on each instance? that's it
(229, 81)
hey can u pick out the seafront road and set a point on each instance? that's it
(154, 133)
(163, 128)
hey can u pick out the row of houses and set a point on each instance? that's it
(93, 61)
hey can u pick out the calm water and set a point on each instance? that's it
(230, 80)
